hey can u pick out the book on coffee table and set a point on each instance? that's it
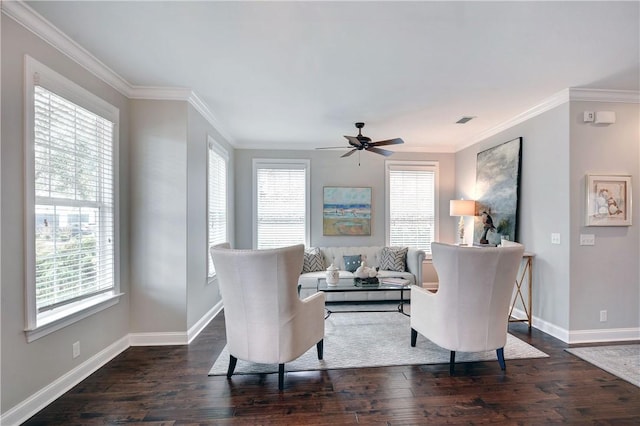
(400, 282)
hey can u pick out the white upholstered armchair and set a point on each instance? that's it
(470, 310)
(265, 320)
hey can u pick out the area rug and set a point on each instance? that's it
(356, 340)
(622, 361)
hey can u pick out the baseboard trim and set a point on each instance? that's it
(45, 396)
(604, 335)
(197, 328)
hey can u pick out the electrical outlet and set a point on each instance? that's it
(555, 238)
(76, 349)
(587, 240)
(603, 316)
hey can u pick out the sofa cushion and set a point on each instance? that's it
(394, 258)
(352, 262)
(313, 260)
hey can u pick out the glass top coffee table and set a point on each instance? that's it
(355, 284)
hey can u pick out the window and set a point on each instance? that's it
(217, 198)
(411, 203)
(281, 203)
(70, 163)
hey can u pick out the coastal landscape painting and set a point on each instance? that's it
(346, 211)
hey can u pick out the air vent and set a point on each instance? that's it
(464, 120)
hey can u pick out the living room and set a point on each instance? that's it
(165, 296)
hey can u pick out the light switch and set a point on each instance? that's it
(587, 239)
(555, 238)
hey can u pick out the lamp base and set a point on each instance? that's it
(461, 231)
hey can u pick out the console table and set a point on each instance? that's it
(525, 275)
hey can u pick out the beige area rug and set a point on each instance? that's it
(622, 361)
(356, 340)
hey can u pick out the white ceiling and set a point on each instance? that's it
(299, 74)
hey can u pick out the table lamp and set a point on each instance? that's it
(462, 208)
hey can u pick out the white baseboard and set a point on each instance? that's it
(583, 336)
(36, 402)
(197, 328)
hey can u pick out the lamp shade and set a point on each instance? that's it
(462, 208)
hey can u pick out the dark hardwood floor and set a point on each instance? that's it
(169, 386)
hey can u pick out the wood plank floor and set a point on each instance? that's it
(169, 386)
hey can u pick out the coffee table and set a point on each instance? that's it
(353, 284)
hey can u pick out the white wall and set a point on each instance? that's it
(604, 276)
(328, 169)
(158, 216)
(572, 283)
(28, 367)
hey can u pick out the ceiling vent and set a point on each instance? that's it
(464, 120)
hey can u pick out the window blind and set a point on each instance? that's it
(74, 201)
(281, 207)
(217, 201)
(411, 208)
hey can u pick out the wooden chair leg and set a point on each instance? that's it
(414, 337)
(500, 353)
(232, 365)
(320, 347)
(280, 376)
(452, 362)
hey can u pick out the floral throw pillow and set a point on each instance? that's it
(313, 260)
(394, 259)
(351, 263)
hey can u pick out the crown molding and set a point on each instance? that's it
(602, 95)
(563, 96)
(24, 15)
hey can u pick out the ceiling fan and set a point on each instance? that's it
(360, 142)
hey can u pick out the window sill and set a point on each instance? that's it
(58, 319)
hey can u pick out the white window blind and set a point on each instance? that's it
(217, 199)
(281, 217)
(411, 205)
(74, 202)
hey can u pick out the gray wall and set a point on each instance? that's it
(572, 283)
(328, 169)
(604, 276)
(27, 368)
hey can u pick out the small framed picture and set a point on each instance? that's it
(608, 200)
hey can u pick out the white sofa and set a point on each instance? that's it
(371, 255)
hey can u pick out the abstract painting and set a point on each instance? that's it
(497, 193)
(346, 211)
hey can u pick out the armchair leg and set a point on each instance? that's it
(414, 337)
(452, 362)
(232, 365)
(320, 347)
(500, 352)
(280, 376)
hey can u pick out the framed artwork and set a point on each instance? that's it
(608, 200)
(497, 193)
(346, 211)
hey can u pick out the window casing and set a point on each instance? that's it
(217, 200)
(411, 203)
(280, 203)
(70, 163)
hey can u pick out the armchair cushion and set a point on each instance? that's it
(313, 260)
(352, 262)
(394, 258)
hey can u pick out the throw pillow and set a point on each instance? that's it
(394, 258)
(313, 260)
(351, 263)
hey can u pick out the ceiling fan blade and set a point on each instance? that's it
(353, 140)
(348, 153)
(380, 151)
(335, 147)
(395, 141)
